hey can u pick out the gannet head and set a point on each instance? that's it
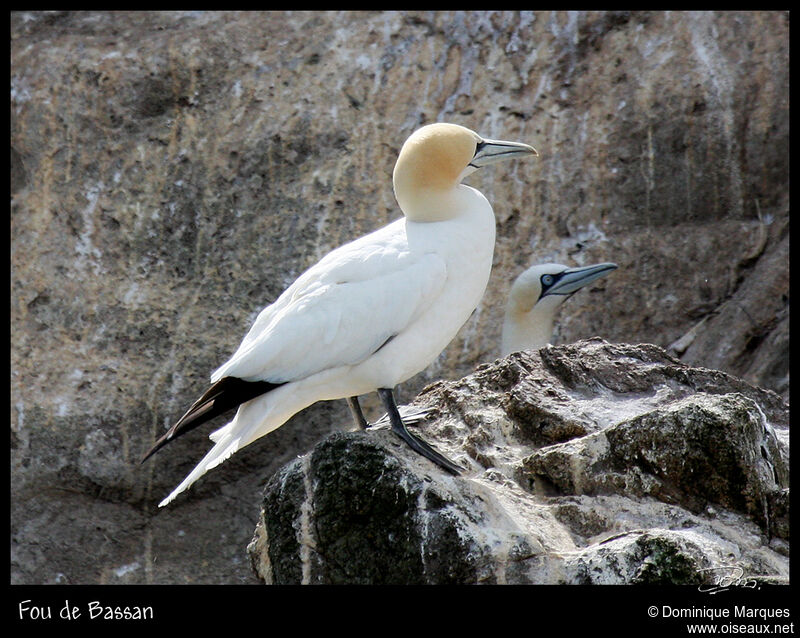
(535, 297)
(434, 160)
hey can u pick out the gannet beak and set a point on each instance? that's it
(491, 151)
(573, 279)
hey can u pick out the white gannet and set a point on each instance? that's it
(371, 313)
(535, 296)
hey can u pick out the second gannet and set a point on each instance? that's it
(371, 313)
(534, 298)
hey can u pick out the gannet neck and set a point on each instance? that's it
(432, 163)
(436, 205)
(529, 329)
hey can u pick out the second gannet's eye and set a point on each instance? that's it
(547, 280)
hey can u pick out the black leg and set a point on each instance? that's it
(417, 444)
(358, 415)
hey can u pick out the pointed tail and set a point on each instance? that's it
(253, 420)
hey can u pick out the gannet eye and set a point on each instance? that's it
(547, 280)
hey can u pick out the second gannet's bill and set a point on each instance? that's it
(371, 313)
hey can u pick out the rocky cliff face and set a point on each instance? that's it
(593, 463)
(172, 173)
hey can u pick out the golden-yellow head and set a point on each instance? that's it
(435, 155)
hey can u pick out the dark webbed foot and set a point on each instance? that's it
(417, 444)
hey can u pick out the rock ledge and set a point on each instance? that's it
(591, 463)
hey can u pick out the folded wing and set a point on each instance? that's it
(340, 311)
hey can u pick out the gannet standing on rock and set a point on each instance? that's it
(534, 298)
(370, 314)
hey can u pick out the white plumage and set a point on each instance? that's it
(373, 312)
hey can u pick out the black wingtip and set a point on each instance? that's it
(158, 445)
(224, 395)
